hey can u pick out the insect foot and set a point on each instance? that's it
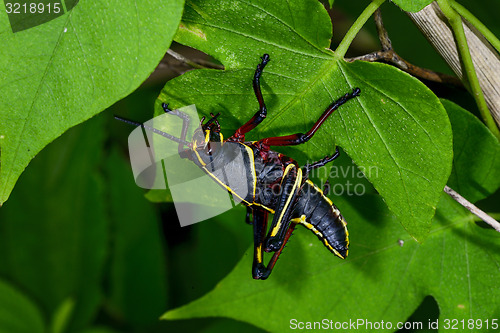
(273, 245)
(260, 272)
(265, 59)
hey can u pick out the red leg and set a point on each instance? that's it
(239, 135)
(297, 139)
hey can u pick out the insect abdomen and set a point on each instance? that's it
(318, 213)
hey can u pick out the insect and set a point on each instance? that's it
(275, 184)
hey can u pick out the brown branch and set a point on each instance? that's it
(388, 55)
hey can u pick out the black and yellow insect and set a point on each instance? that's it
(274, 183)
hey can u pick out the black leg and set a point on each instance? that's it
(326, 187)
(322, 162)
(165, 107)
(185, 124)
(290, 187)
(247, 218)
(299, 138)
(154, 130)
(264, 274)
(259, 270)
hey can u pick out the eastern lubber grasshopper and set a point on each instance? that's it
(275, 183)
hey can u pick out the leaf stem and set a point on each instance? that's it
(473, 209)
(456, 24)
(490, 37)
(356, 27)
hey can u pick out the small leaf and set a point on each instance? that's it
(396, 130)
(412, 5)
(17, 313)
(62, 316)
(77, 65)
(476, 162)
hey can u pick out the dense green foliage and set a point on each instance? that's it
(83, 249)
(58, 74)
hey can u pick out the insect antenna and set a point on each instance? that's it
(216, 121)
(214, 118)
(152, 129)
(210, 121)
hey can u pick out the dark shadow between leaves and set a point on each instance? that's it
(475, 190)
(426, 313)
(370, 233)
(372, 209)
(485, 239)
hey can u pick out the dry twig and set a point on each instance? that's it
(388, 54)
(198, 63)
(473, 209)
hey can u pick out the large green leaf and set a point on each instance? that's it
(385, 278)
(476, 163)
(387, 274)
(17, 313)
(397, 130)
(53, 234)
(58, 74)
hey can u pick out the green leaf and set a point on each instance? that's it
(383, 279)
(224, 325)
(476, 163)
(17, 313)
(77, 65)
(412, 5)
(53, 235)
(397, 130)
(62, 316)
(137, 275)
